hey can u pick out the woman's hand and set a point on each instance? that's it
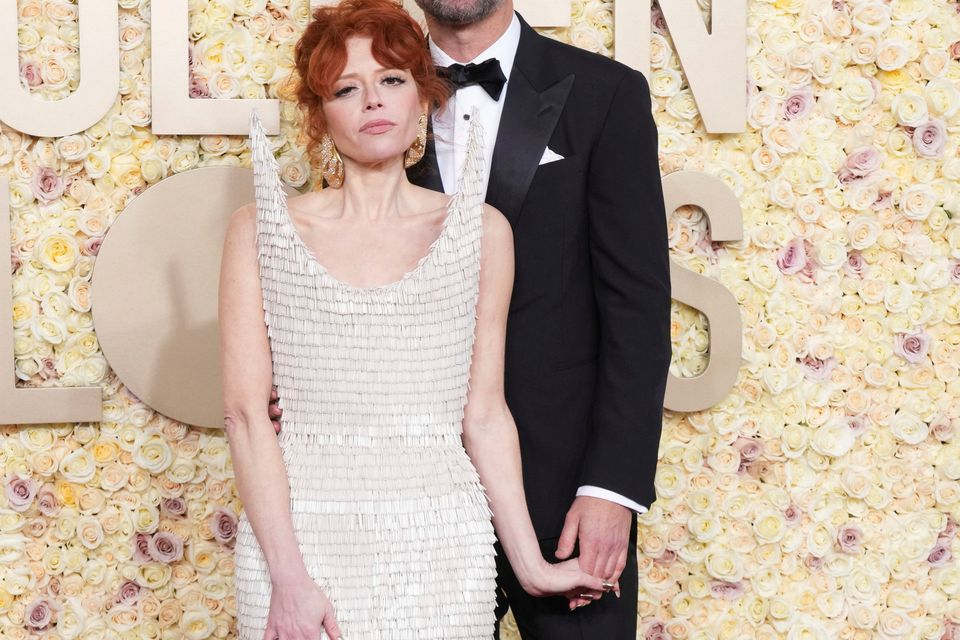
(566, 579)
(299, 610)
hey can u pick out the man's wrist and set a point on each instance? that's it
(611, 496)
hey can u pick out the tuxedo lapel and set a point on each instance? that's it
(528, 119)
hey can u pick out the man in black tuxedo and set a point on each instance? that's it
(574, 169)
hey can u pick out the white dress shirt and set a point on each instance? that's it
(450, 128)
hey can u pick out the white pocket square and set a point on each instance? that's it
(549, 155)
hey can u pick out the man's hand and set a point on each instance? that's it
(274, 410)
(603, 529)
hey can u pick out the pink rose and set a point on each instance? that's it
(955, 272)
(30, 74)
(749, 449)
(942, 428)
(793, 257)
(15, 263)
(39, 613)
(930, 139)
(912, 347)
(863, 161)
(658, 22)
(91, 246)
(792, 514)
(48, 369)
(940, 556)
(656, 631)
(726, 590)
(198, 87)
(798, 104)
(949, 531)
(855, 265)
(47, 185)
(667, 558)
(165, 547)
(849, 537)
(857, 424)
(20, 492)
(883, 201)
(129, 593)
(173, 507)
(813, 562)
(141, 548)
(955, 47)
(816, 369)
(224, 525)
(47, 501)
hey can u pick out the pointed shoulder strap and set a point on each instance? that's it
(273, 223)
(470, 182)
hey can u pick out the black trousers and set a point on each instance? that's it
(549, 618)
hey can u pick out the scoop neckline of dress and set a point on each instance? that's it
(312, 259)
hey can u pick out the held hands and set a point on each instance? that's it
(603, 530)
(274, 410)
(299, 610)
(566, 579)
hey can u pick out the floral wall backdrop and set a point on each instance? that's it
(820, 499)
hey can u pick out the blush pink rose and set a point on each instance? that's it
(30, 74)
(940, 556)
(20, 492)
(912, 346)
(47, 501)
(849, 537)
(816, 369)
(813, 562)
(857, 424)
(129, 593)
(47, 185)
(798, 104)
(656, 631)
(726, 590)
(165, 547)
(955, 272)
(40, 613)
(792, 514)
(793, 257)
(141, 548)
(224, 525)
(930, 139)
(173, 507)
(863, 161)
(855, 265)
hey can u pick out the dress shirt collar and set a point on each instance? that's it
(503, 49)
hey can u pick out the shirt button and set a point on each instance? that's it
(466, 116)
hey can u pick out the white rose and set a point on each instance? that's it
(917, 201)
(908, 427)
(910, 109)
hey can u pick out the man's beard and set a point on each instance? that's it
(466, 13)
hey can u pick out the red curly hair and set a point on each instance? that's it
(321, 55)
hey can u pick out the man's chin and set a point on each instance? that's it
(458, 14)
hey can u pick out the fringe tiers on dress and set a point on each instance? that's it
(388, 510)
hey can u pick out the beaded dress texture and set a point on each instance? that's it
(387, 507)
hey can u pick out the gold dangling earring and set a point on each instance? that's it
(331, 165)
(419, 146)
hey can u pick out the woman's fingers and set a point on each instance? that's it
(330, 626)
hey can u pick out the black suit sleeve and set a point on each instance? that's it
(631, 278)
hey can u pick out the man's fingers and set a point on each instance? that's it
(568, 537)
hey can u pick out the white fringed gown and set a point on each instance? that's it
(388, 509)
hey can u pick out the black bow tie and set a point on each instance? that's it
(487, 74)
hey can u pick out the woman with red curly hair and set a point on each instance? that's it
(371, 307)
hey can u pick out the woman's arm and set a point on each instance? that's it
(489, 431)
(259, 471)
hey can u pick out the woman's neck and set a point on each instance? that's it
(374, 192)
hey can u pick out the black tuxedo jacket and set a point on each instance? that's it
(588, 334)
